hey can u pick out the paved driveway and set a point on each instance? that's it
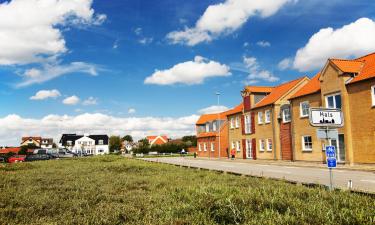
(363, 181)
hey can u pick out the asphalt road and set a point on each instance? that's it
(361, 180)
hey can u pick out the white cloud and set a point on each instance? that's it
(145, 40)
(48, 72)
(246, 44)
(190, 72)
(138, 31)
(14, 126)
(30, 29)
(131, 111)
(352, 40)
(285, 63)
(90, 101)
(224, 18)
(44, 94)
(72, 100)
(263, 44)
(255, 73)
(213, 109)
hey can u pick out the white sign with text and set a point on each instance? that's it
(322, 117)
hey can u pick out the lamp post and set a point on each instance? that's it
(218, 119)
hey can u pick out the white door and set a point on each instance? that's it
(249, 149)
(339, 147)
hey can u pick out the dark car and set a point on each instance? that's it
(3, 159)
(37, 157)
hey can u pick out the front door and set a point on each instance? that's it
(249, 149)
(340, 147)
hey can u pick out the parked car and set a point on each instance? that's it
(37, 157)
(2, 160)
(63, 153)
(16, 158)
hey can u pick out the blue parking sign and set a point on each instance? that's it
(331, 162)
(330, 151)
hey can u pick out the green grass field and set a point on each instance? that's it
(116, 190)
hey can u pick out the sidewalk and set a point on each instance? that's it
(368, 168)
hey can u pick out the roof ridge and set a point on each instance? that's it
(348, 60)
(372, 53)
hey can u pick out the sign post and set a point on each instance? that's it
(327, 118)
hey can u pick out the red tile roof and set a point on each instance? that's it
(311, 87)
(368, 70)
(277, 93)
(348, 66)
(157, 139)
(210, 117)
(207, 134)
(235, 110)
(258, 89)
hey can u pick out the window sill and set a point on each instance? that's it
(307, 150)
(267, 122)
(287, 121)
(269, 150)
(303, 117)
(261, 150)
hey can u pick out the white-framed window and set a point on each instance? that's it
(269, 144)
(207, 127)
(333, 101)
(247, 124)
(237, 121)
(261, 145)
(200, 147)
(286, 115)
(233, 145)
(249, 151)
(69, 143)
(306, 143)
(267, 117)
(231, 123)
(205, 147)
(238, 146)
(373, 95)
(212, 146)
(260, 117)
(304, 109)
(214, 126)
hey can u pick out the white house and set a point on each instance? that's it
(89, 144)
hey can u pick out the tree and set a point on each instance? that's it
(127, 138)
(114, 143)
(190, 140)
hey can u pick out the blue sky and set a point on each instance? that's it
(120, 43)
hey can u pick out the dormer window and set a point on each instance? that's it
(207, 127)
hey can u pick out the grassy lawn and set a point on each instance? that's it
(116, 190)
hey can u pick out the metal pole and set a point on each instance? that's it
(218, 117)
(330, 179)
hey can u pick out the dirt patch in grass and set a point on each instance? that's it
(116, 190)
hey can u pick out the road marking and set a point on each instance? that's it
(370, 181)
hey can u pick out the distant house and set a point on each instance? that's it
(89, 144)
(157, 140)
(47, 143)
(37, 141)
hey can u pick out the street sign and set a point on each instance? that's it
(330, 151)
(323, 117)
(331, 162)
(327, 133)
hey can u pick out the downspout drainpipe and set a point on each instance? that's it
(274, 132)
